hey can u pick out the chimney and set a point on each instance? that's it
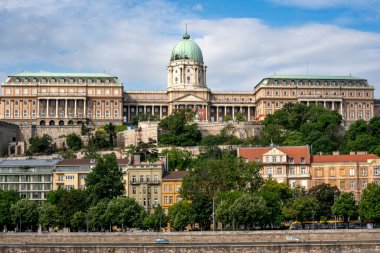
(336, 153)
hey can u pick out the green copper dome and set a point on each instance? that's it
(186, 49)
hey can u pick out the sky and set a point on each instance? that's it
(243, 41)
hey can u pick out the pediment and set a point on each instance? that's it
(274, 151)
(189, 98)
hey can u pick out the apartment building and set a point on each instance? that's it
(31, 178)
(289, 165)
(143, 183)
(171, 184)
(350, 173)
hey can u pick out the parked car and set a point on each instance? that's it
(162, 240)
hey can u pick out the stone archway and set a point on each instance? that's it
(51, 123)
(70, 122)
(61, 123)
(42, 123)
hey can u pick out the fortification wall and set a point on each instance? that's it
(9, 133)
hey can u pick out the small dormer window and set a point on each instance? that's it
(62, 80)
(107, 80)
(26, 80)
(18, 80)
(275, 82)
(71, 80)
(283, 81)
(44, 80)
(98, 80)
(89, 80)
(302, 159)
(35, 80)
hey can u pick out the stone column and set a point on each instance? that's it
(341, 108)
(217, 113)
(85, 108)
(160, 111)
(225, 111)
(38, 108)
(307, 102)
(249, 113)
(233, 112)
(204, 76)
(56, 108)
(206, 110)
(75, 108)
(66, 101)
(324, 104)
(129, 114)
(47, 108)
(333, 105)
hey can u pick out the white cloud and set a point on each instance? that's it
(133, 40)
(318, 4)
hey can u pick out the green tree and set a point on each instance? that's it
(105, 179)
(48, 215)
(180, 215)
(276, 195)
(111, 131)
(97, 219)
(301, 209)
(248, 209)
(24, 214)
(69, 154)
(345, 206)
(225, 201)
(156, 219)
(74, 142)
(369, 207)
(178, 159)
(78, 222)
(7, 199)
(40, 145)
(325, 194)
(179, 129)
(68, 203)
(124, 212)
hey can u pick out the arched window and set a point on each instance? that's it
(51, 123)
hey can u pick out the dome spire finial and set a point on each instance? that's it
(186, 36)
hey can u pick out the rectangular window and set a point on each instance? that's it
(352, 184)
(148, 179)
(116, 113)
(116, 92)
(364, 171)
(171, 200)
(279, 171)
(155, 190)
(269, 171)
(342, 184)
(134, 190)
(141, 179)
(319, 172)
(376, 171)
(107, 113)
(165, 188)
(165, 199)
(303, 170)
(274, 159)
(107, 92)
(155, 178)
(98, 92)
(70, 177)
(364, 185)
(352, 172)
(292, 171)
(302, 159)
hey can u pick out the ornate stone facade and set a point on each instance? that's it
(72, 98)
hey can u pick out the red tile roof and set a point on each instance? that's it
(295, 152)
(343, 158)
(174, 175)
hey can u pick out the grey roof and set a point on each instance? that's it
(29, 162)
(59, 74)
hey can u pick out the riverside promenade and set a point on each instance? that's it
(252, 242)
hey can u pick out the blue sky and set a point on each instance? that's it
(242, 41)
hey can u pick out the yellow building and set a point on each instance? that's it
(71, 173)
(61, 99)
(350, 173)
(171, 184)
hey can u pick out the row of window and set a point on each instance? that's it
(170, 188)
(169, 200)
(145, 190)
(25, 178)
(147, 179)
(359, 115)
(325, 82)
(280, 159)
(62, 80)
(318, 93)
(61, 103)
(280, 171)
(25, 91)
(25, 187)
(351, 172)
(148, 109)
(16, 113)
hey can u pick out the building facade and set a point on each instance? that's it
(350, 173)
(61, 99)
(289, 165)
(31, 178)
(295, 166)
(72, 98)
(171, 184)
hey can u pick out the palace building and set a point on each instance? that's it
(72, 98)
